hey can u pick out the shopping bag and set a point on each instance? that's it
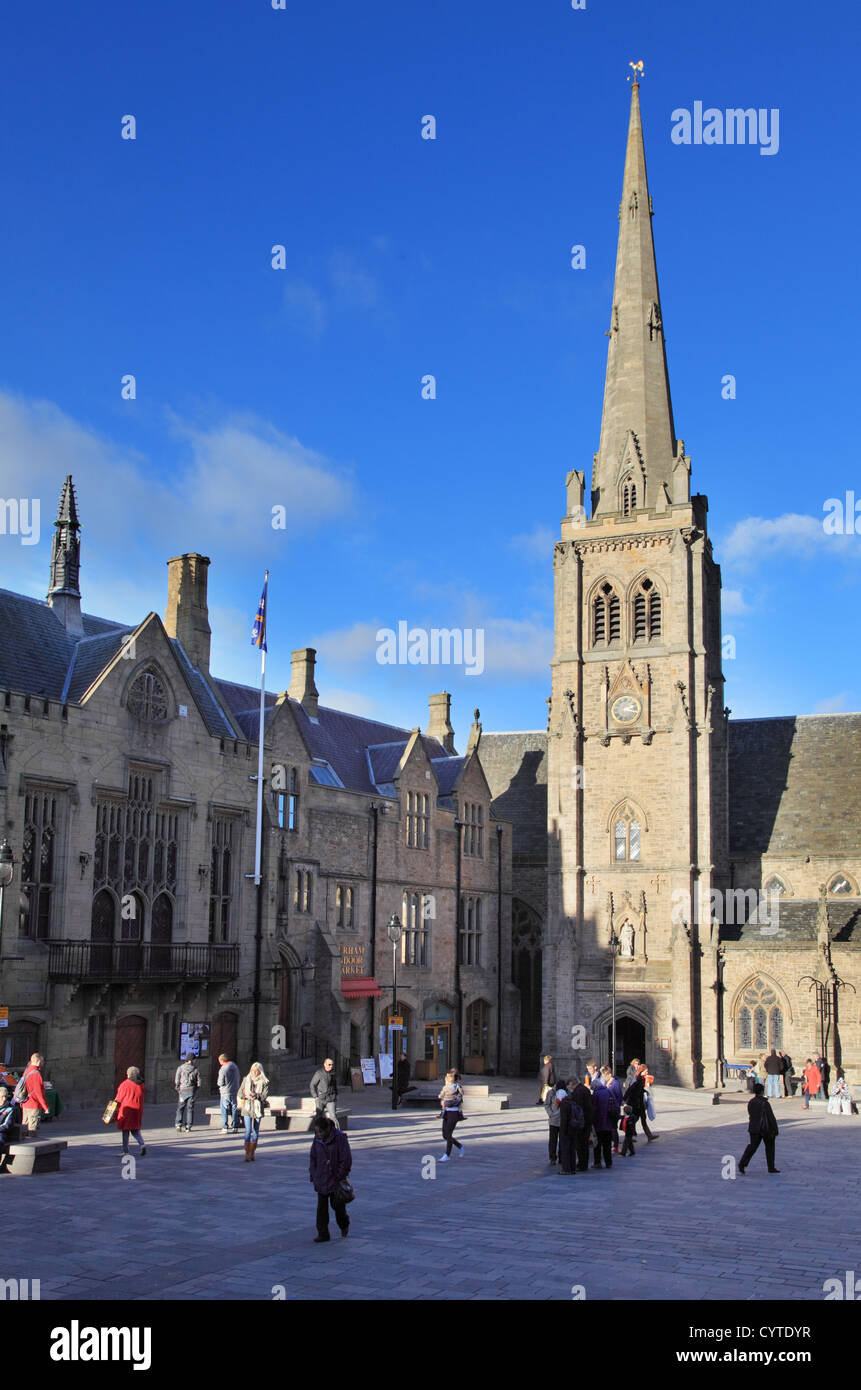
(110, 1112)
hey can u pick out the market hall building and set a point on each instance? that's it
(128, 798)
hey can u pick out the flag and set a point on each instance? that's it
(258, 632)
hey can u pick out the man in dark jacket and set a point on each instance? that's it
(605, 1113)
(762, 1128)
(788, 1073)
(773, 1073)
(582, 1096)
(546, 1078)
(570, 1125)
(331, 1161)
(324, 1089)
(185, 1083)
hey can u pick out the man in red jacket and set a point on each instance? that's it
(36, 1103)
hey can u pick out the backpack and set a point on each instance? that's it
(578, 1119)
(20, 1092)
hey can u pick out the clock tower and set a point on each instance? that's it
(637, 734)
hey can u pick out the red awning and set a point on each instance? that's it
(360, 987)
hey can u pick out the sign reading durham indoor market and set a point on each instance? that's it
(352, 959)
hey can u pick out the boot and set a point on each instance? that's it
(252, 1146)
(247, 1151)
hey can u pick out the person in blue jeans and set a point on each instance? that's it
(253, 1099)
(773, 1073)
(228, 1088)
(185, 1083)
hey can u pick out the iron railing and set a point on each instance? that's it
(140, 960)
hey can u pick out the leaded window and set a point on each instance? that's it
(415, 938)
(344, 905)
(224, 837)
(476, 1028)
(418, 821)
(469, 937)
(840, 886)
(627, 836)
(473, 837)
(759, 1018)
(37, 864)
(147, 698)
(136, 853)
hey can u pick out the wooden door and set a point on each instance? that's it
(224, 1028)
(437, 1050)
(129, 1046)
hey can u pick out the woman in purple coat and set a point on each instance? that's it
(331, 1161)
(605, 1113)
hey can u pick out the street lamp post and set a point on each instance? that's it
(394, 932)
(7, 869)
(614, 951)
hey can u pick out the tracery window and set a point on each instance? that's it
(629, 496)
(775, 886)
(840, 886)
(606, 616)
(37, 865)
(224, 835)
(627, 836)
(147, 698)
(647, 612)
(415, 937)
(759, 1019)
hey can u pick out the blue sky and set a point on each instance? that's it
(258, 387)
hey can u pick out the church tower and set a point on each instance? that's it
(637, 736)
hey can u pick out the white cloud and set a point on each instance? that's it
(732, 603)
(537, 544)
(355, 287)
(757, 539)
(517, 648)
(306, 309)
(835, 704)
(350, 701)
(349, 647)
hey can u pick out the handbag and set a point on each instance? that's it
(344, 1191)
(110, 1112)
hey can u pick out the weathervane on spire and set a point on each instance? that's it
(637, 69)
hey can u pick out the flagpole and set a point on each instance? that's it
(258, 842)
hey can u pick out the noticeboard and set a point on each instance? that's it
(369, 1071)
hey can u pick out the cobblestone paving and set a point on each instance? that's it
(197, 1222)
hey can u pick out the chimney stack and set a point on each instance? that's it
(440, 720)
(302, 687)
(187, 615)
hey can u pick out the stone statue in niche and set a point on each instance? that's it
(626, 939)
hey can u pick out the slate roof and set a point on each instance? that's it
(35, 649)
(795, 784)
(796, 923)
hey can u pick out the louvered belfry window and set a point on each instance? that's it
(646, 612)
(606, 616)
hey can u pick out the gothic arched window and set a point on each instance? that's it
(759, 1019)
(629, 496)
(627, 837)
(775, 886)
(147, 698)
(646, 614)
(841, 886)
(606, 616)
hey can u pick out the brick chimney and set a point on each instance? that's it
(187, 615)
(440, 720)
(302, 687)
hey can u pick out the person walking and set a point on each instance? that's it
(773, 1073)
(788, 1074)
(762, 1128)
(551, 1105)
(604, 1116)
(629, 1131)
(331, 1161)
(324, 1089)
(185, 1083)
(631, 1073)
(635, 1096)
(130, 1101)
(546, 1079)
(825, 1076)
(811, 1082)
(253, 1095)
(228, 1089)
(30, 1094)
(451, 1100)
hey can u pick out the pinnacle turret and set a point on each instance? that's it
(64, 594)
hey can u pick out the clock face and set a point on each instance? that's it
(625, 709)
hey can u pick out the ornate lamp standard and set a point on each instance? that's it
(394, 931)
(614, 951)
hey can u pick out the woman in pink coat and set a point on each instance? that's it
(130, 1099)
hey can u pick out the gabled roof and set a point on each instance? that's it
(35, 649)
(796, 922)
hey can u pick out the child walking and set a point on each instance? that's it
(628, 1125)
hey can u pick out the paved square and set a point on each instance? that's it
(198, 1222)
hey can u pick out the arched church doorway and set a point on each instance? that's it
(526, 975)
(630, 1042)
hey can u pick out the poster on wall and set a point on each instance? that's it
(385, 1066)
(194, 1040)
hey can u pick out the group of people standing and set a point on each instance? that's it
(776, 1070)
(595, 1113)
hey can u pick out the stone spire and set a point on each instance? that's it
(64, 594)
(638, 443)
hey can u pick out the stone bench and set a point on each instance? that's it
(34, 1156)
(284, 1112)
(476, 1100)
